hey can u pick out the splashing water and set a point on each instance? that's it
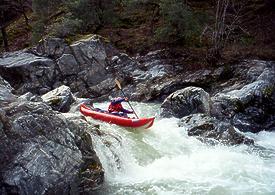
(165, 160)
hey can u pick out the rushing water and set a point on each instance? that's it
(165, 160)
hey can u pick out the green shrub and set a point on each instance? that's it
(42, 11)
(37, 31)
(44, 8)
(247, 40)
(134, 4)
(179, 22)
(92, 13)
(84, 11)
(67, 27)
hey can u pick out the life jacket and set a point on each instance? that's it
(115, 108)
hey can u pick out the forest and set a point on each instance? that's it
(214, 31)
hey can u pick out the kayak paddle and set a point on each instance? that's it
(119, 86)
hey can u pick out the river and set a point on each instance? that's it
(164, 160)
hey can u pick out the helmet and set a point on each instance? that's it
(116, 98)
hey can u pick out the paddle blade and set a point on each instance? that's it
(118, 83)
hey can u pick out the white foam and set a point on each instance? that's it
(165, 160)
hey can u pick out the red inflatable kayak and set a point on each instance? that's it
(121, 121)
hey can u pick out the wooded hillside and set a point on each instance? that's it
(214, 30)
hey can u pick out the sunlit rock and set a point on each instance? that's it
(59, 99)
(30, 97)
(91, 55)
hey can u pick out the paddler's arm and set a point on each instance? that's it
(118, 101)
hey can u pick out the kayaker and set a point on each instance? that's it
(116, 108)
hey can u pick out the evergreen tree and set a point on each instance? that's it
(93, 13)
(9, 11)
(43, 10)
(179, 22)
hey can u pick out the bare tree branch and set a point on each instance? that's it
(225, 24)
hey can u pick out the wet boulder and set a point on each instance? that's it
(252, 106)
(43, 152)
(60, 99)
(187, 101)
(124, 62)
(163, 72)
(102, 90)
(88, 66)
(211, 130)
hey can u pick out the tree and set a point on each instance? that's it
(5, 38)
(22, 6)
(179, 21)
(227, 20)
(152, 6)
(42, 11)
(6, 17)
(93, 13)
(9, 11)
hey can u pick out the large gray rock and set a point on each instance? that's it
(251, 106)
(207, 129)
(60, 99)
(103, 89)
(160, 73)
(22, 59)
(68, 65)
(187, 101)
(43, 152)
(28, 72)
(54, 63)
(91, 55)
(124, 64)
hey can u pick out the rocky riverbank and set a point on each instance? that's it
(242, 102)
(47, 146)
(44, 151)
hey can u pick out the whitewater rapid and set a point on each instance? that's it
(165, 160)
